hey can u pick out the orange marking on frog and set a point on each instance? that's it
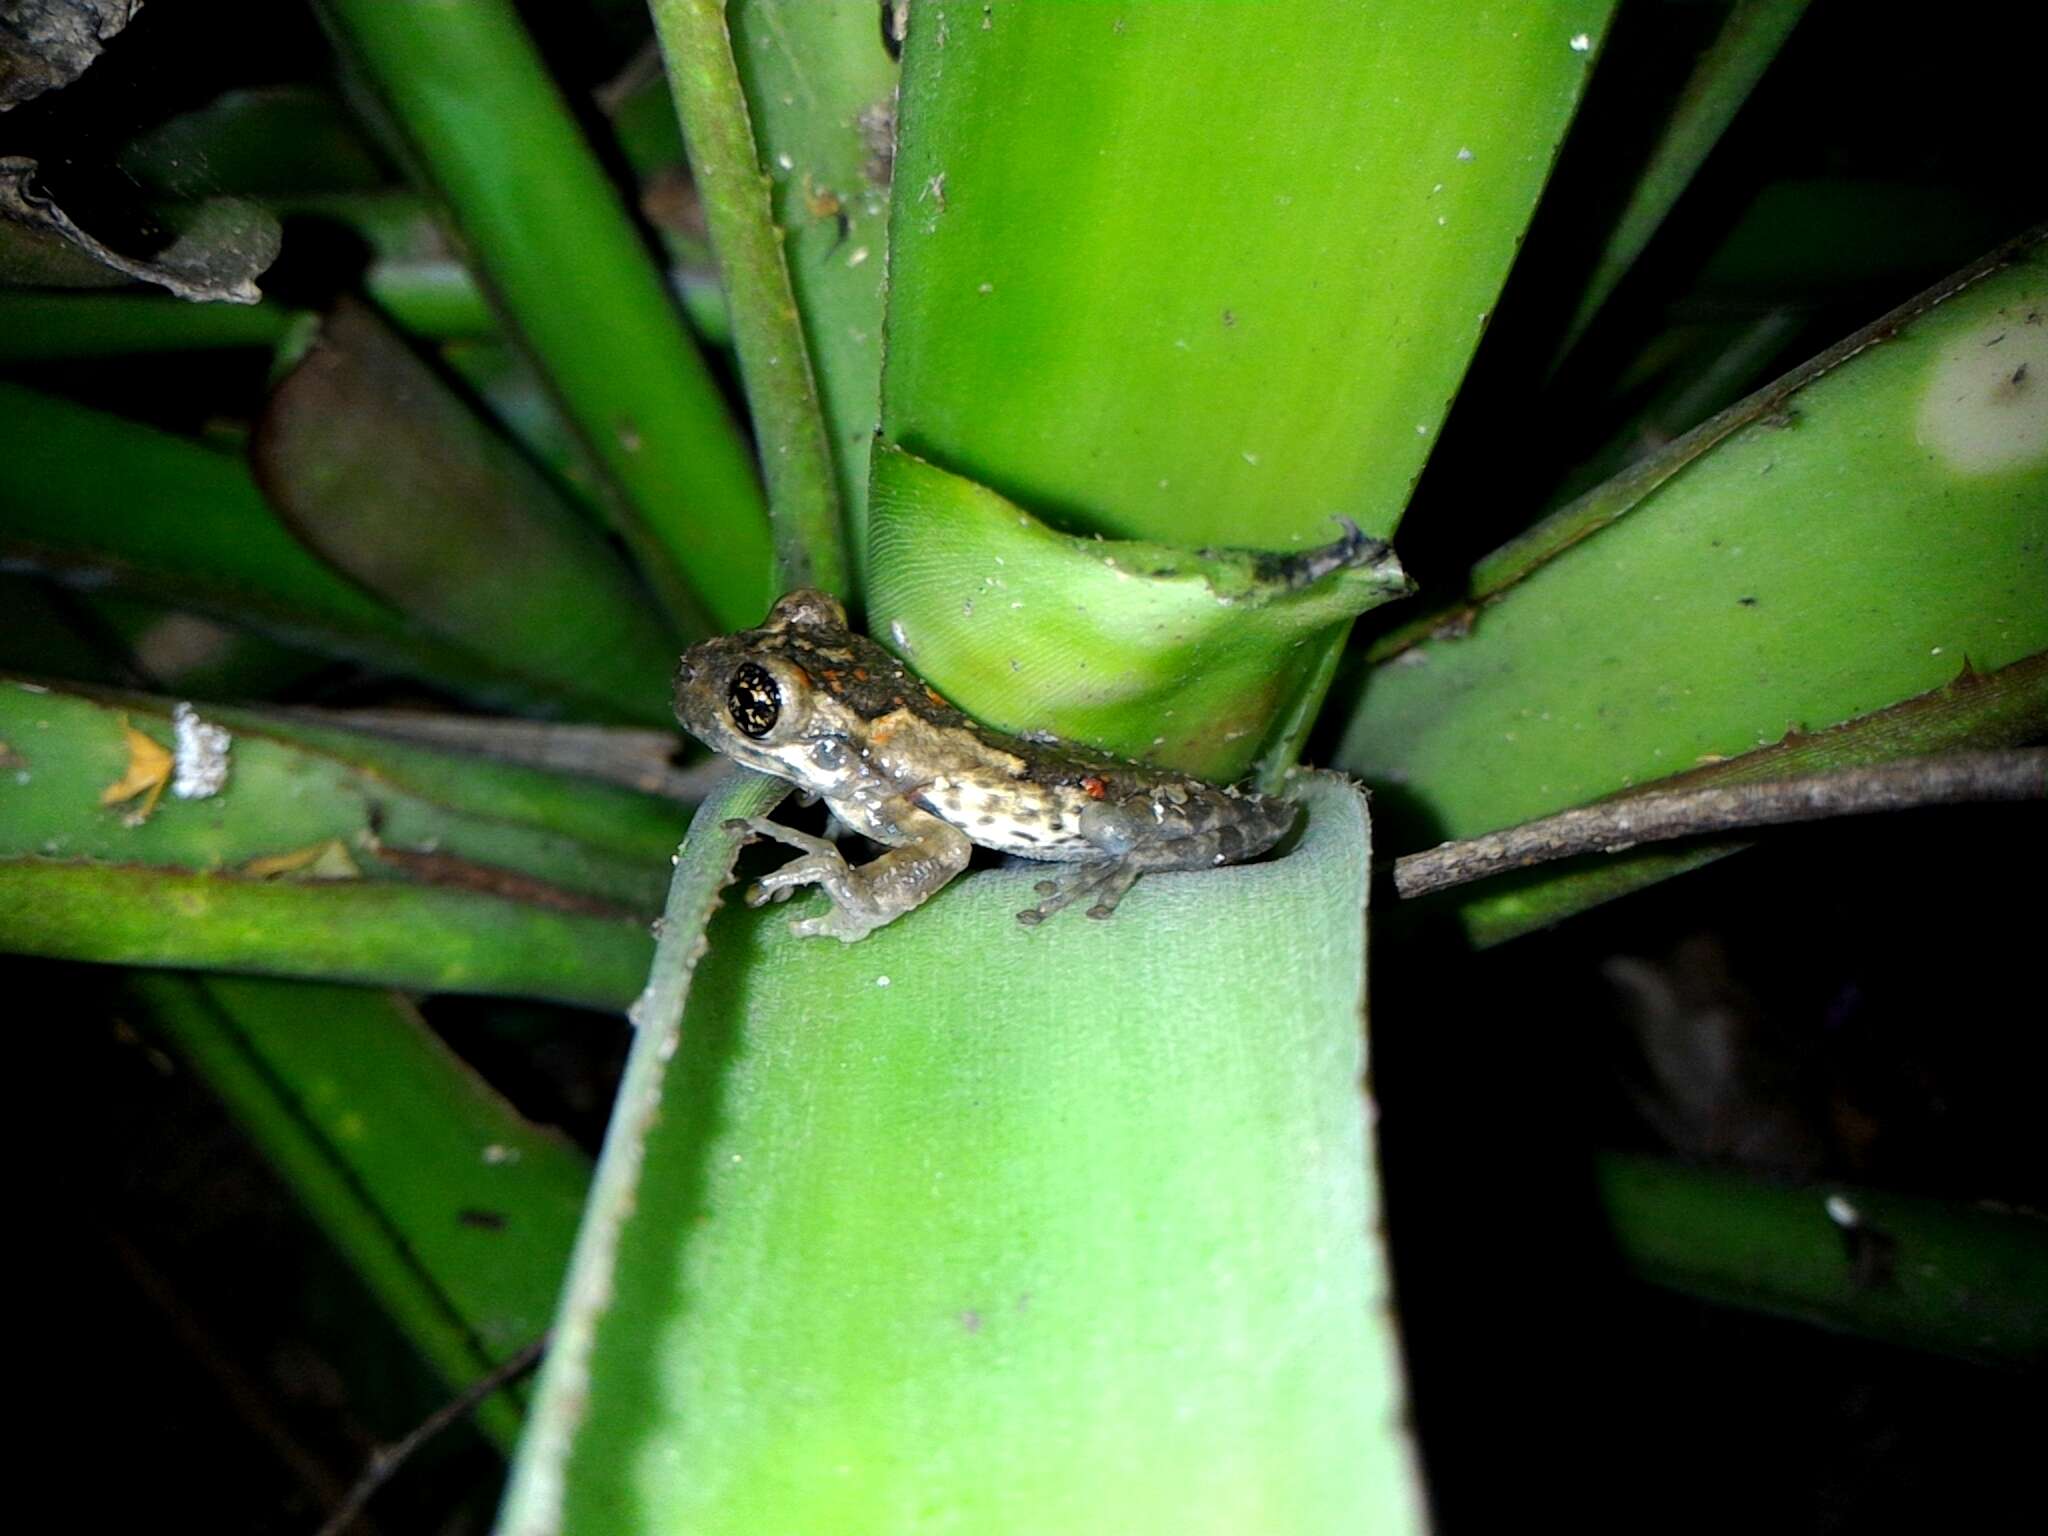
(1094, 788)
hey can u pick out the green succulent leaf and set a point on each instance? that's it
(127, 836)
(1103, 1259)
(1830, 549)
(386, 473)
(457, 1212)
(1147, 650)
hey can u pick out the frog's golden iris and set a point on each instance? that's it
(753, 700)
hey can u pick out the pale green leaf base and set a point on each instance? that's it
(970, 1227)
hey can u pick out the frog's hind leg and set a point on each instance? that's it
(1108, 882)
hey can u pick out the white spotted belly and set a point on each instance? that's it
(1037, 823)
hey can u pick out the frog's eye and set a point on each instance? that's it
(753, 699)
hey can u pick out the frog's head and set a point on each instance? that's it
(750, 696)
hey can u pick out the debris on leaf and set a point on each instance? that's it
(202, 754)
(149, 770)
(329, 860)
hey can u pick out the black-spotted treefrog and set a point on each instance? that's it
(807, 700)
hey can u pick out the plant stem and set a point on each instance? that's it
(1957, 779)
(775, 362)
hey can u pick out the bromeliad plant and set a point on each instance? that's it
(1048, 325)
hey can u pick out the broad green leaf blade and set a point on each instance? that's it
(1143, 649)
(386, 473)
(1210, 273)
(821, 87)
(1924, 1273)
(457, 1212)
(1853, 544)
(975, 1227)
(550, 238)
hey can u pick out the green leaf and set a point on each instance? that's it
(290, 786)
(1209, 273)
(1849, 540)
(281, 139)
(382, 470)
(1928, 1274)
(323, 853)
(553, 243)
(2006, 708)
(98, 501)
(1101, 1258)
(424, 938)
(1142, 649)
(36, 324)
(457, 1212)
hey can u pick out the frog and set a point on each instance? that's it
(806, 699)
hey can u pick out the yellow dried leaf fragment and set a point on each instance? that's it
(149, 770)
(317, 861)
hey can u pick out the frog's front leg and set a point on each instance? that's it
(924, 853)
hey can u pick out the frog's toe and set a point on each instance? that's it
(812, 869)
(847, 927)
(1114, 884)
(1107, 881)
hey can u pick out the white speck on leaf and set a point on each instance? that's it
(1582, 42)
(199, 755)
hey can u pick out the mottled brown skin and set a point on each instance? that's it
(807, 700)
